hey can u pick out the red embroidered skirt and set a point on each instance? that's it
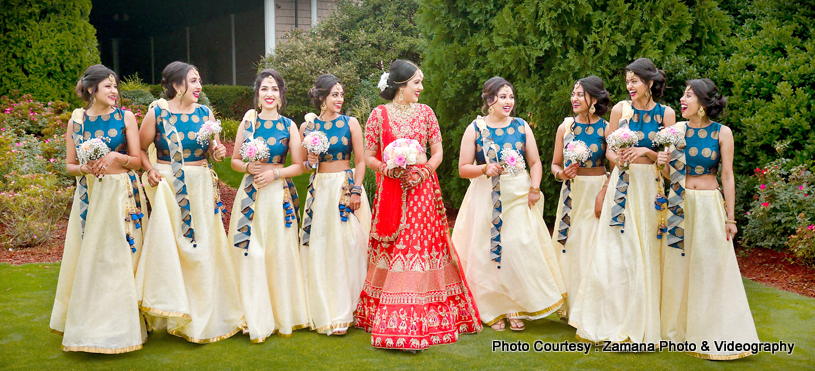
(415, 295)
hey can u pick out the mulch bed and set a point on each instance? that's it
(769, 267)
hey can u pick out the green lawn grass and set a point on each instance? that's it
(27, 294)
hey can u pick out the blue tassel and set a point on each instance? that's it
(138, 225)
(622, 231)
(659, 236)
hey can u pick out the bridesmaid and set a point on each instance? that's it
(96, 309)
(509, 259)
(584, 184)
(703, 295)
(263, 226)
(337, 219)
(187, 282)
(618, 298)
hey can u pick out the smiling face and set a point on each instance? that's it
(269, 94)
(690, 103)
(581, 102)
(411, 90)
(335, 98)
(637, 87)
(107, 92)
(503, 102)
(189, 93)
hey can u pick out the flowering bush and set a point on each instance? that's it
(30, 206)
(802, 243)
(34, 185)
(782, 203)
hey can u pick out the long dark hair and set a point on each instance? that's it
(490, 91)
(281, 86)
(645, 70)
(593, 87)
(90, 80)
(708, 95)
(175, 73)
(322, 88)
(399, 72)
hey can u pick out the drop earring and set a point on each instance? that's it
(701, 112)
(490, 111)
(401, 97)
(592, 109)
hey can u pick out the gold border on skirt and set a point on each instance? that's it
(717, 357)
(101, 350)
(550, 309)
(207, 341)
(323, 329)
(164, 313)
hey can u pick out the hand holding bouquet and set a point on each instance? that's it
(513, 162)
(208, 131)
(254, 150)
(576, 151)
(92, 150)
(622, 138)
(670, 136)
(401, 153)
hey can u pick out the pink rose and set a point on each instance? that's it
(801, 187)
(748, 213)
(811, 227)
(765, 204)
(385, 157)
(251, 151)
(511, 160)
(762, 187)
(400, 160)
(315, 140)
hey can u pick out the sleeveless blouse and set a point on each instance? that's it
(339, 138)
(276, 134)
(646, 124)
(511, 137)
(702, 149)
(110, 126)
(594, 135)
(187, 126)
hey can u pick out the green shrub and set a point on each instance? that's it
(802, 244)
(229, 129)
(230, 102)
(770, 82)
(138, 96)
(47, 45)
(30, 206)
(543, 47)
(782, 203)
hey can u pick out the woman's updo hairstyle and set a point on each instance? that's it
(490, 92)
(281, 87)
(90, 80)
(399, 73)
(646, 71)
(174, 73)
(708, 95)
(321, 89)
(593, 86)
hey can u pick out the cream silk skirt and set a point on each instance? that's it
(583, 230)
(335, 262)
(96, 308)
(190, 291)
(703, 296)
(271, 279)
(618, 299)
(529, 284)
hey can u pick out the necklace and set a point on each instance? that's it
(402, 111)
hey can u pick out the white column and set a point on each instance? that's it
(313, 13)
(232, 25)
(152, 61)
(188, 43)
(269, 25)
(114, 44)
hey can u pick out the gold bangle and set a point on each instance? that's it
(246, 167)
(558, 173)
(276, 173)
(730, 222)
(82, 173)
(484, 169)
(127, 162)
(534, 190)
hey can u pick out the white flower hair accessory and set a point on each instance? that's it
(383, 81)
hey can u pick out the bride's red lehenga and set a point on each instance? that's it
(415, 294)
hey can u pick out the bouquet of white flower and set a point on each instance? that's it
(401, 153)
(622, 138)
(576, 151)
(92, 149)
(254, 150)
(208, 131)
(513, 162)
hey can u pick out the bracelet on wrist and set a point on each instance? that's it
(484, 169)
(246, 167)
(534, 190)
(730, 222)
(557, 176)
(126, 162)
(276, 173)
(82, 172)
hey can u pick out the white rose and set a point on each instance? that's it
(411, 159)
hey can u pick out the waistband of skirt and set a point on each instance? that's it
(338, 174)
(193, 168)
